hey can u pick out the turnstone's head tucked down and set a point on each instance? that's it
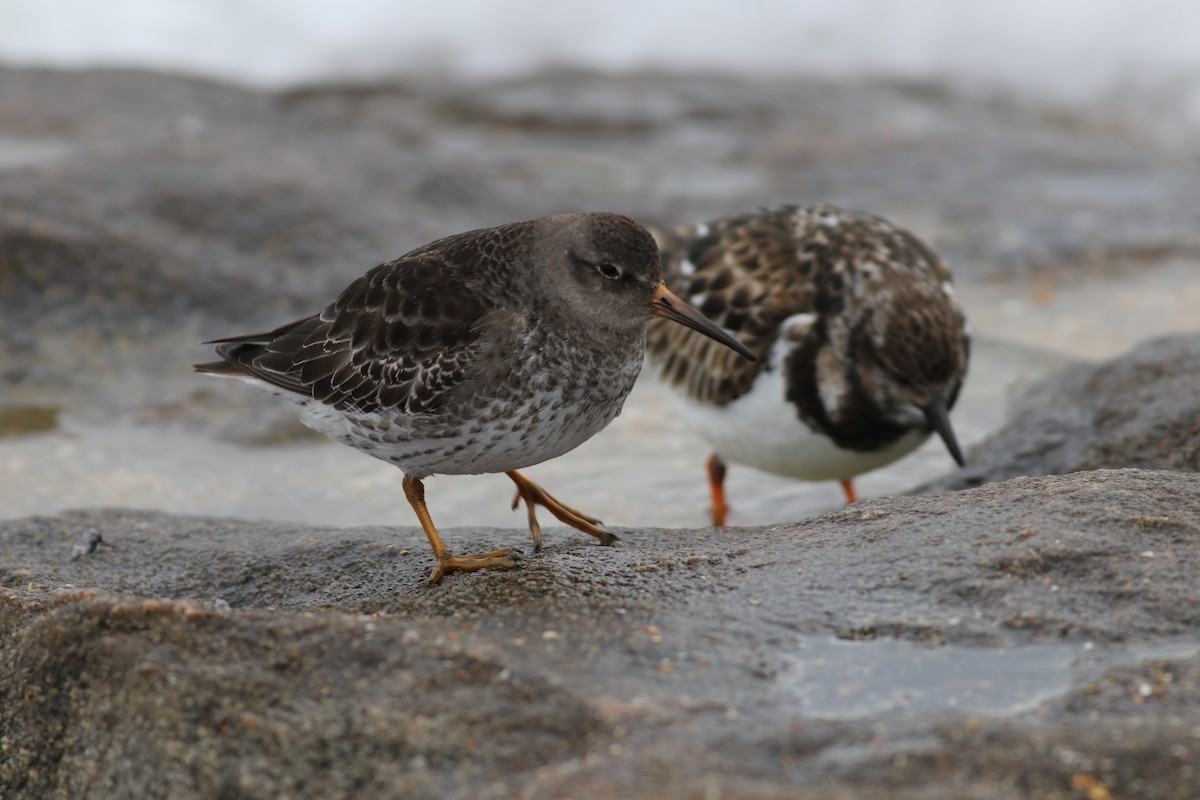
(862, 347)
(488, 351)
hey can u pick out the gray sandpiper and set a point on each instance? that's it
(487, 351)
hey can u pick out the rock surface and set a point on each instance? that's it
(1139, 410)
(248, 659)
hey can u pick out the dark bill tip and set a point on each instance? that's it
(668, 306)
(939, 419)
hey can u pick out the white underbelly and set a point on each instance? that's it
(422, 445)
(496, 437)
(761, 429)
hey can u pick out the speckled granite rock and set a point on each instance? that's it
(1139, 410)
(194, 657)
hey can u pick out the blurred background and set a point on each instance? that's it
(175, 171)
(1122, 55)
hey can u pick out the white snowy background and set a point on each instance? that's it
(1125, 57)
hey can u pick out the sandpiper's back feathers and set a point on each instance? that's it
(399, 338)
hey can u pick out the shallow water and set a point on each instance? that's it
(838, 679)
(645, 470)
(835, 679)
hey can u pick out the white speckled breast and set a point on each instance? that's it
(560, 406)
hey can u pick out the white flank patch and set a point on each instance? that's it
(793, 328)
(832, 391)
(761, 429)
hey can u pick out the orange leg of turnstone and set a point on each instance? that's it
(716, 486)
(414, 490)
(848, 488)
(534, 495)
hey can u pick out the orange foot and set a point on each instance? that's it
(414, 490)
(535, 495)
(716, 487)
(497, 559)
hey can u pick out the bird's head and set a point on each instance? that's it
(912, 358)
(604, 270)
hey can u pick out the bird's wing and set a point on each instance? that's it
(742, 272)
(398, 338)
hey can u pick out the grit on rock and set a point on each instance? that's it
(315, 663)
(1030, 636)
(1139, 410)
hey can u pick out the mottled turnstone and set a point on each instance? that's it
(862, 347)
(488, 351)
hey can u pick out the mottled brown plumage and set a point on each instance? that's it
(854, 324)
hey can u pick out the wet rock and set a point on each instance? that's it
(1139, 410)
(22, 420)
(266, 659)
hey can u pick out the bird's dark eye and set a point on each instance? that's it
(899, 377)
(608, 271)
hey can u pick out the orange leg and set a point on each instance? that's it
(848, 488)
(534, 495)
(414, 490)
(716, 487)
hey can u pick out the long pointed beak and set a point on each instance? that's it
(668, 306)
(939, 419)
